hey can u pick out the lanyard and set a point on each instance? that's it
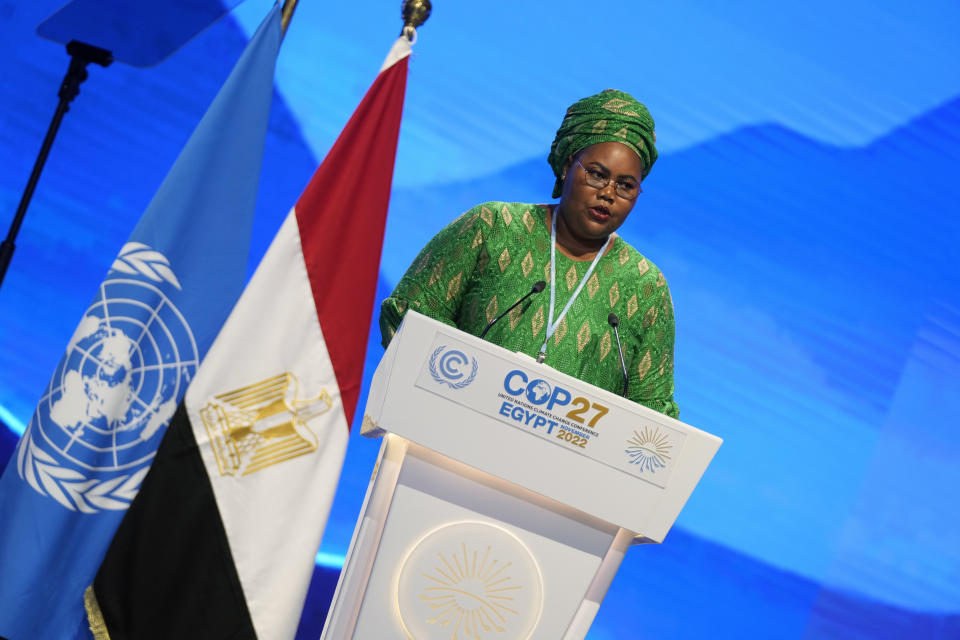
(551, 325)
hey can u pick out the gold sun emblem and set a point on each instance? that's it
(473, 594)
(649, 448)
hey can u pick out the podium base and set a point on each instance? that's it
(443, 550)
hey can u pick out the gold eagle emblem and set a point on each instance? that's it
(262, 424)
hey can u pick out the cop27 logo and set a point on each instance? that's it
(451, 368)
(540, 393)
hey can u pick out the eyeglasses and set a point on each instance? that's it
(626, 189)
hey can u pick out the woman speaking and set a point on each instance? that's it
(493, 254)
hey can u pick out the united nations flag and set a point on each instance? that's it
(97, 426)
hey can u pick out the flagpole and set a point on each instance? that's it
(414, 14)
(286, 14)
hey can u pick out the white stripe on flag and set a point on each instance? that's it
(274, 481)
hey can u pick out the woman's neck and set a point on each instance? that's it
(567, 244)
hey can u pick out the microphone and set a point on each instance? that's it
(538, 286)
(615, 322)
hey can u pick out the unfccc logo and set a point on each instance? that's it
(451, 368)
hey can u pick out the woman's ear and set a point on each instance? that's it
(566, 167)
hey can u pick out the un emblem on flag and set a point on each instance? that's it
(99, 423)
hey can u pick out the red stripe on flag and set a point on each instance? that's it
(341, 216)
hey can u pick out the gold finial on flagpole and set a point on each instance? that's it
(414, 14)
(286, 14)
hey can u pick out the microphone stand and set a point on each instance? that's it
(614, 322)
(537, 288)
(81, 54)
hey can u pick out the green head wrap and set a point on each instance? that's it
(609, 116)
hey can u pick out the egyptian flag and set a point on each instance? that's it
(220, 542)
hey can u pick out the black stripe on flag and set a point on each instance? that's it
(169, 572)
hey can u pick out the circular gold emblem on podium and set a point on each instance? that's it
(469, 580)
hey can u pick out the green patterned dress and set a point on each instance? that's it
(489, 257)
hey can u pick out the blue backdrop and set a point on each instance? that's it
(804, 209)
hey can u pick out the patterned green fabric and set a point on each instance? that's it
(490, 256)
(609, 116)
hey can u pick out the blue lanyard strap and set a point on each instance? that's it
(551, 325)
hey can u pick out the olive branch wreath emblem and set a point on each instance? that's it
(136, 257)
(46, 477)
(439, 378)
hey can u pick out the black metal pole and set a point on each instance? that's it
(81, 55)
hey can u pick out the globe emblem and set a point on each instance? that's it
(116, 388)
(538, 391)
(120, 380)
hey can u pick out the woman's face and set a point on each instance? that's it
(591, 214)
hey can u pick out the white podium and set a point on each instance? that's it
(505, 494)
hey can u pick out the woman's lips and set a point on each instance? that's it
(600, 214)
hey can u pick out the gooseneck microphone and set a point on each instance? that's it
(615, 322)
(538, 286)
